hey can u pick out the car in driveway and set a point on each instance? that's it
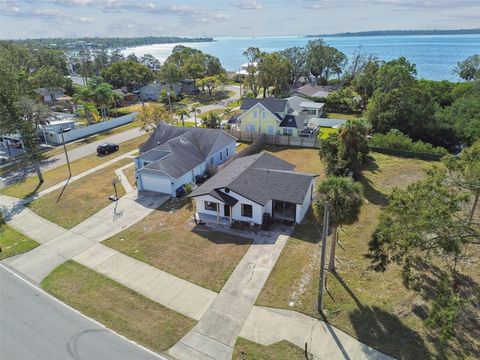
(107, 148)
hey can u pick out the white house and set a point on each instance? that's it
(173, 156)
(252, 186)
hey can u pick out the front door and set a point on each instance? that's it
(226, 210)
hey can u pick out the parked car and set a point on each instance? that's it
(107, 148)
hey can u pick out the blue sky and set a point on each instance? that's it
(74, 18)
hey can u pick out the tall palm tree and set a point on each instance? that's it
(195, 108)
(345, 199)
(182, 113)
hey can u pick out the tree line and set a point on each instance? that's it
(108, 43)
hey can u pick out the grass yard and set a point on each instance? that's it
(283, 350)
(30, 185)
(325, 132)
(305, 160)
(241, 146)
(13, 243)
(164, 240)
(80, 199)
(373, 307)
(130, 174)
(332, 115)
(133, 108)
(117, 307)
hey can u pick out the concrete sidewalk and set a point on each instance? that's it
(267, 326)
(216, 333)
(81, 175)
(39, 262)
(123, 178)
(168, 290)
(27, 222)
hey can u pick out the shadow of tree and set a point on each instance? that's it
(371, 194)
(386, 332)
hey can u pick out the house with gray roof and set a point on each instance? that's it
(173, 156)
(315, 91)
(252, 186)
(274, 116)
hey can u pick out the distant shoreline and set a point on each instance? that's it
(399, 33)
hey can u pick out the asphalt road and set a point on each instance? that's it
(35, 326)
(75, 154)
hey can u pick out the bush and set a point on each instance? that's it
(188, 188)
(395, 139)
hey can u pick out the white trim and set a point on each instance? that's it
(259, 104)
(80, 313)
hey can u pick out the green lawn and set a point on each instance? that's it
(13, 243)
(80, 199)
(117, 307)
(373, 307)
(283, 350)
(163, 239)
(30, 185)
(333, 115)
(325, 132)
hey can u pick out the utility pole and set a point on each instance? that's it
(66, 155)
(326, 216)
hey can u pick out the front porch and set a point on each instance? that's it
(212, 218)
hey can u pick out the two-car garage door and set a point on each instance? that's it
(155, 183)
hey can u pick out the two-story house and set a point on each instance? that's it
(274, 116)
(173, 156)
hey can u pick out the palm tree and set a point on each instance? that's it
(345, 199)
(182, 113)
(195, 108)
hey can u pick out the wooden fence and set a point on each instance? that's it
(253, 148)
(282, 140)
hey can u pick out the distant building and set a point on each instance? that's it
(315, 91)
(49, 95)
(152, 91)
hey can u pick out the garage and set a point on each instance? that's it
(149, 182)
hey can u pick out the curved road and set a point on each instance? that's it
(35, 326)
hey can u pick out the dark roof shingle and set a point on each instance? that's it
(186, 148)
(260, 178)
(274, 105)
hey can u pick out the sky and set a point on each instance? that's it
(216, 18)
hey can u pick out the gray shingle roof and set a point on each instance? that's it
(186, 147)
(260, 178)
(272, 104)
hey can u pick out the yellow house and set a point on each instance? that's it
(274, 116)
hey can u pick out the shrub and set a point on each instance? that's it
(395, 139)
(188, 188)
